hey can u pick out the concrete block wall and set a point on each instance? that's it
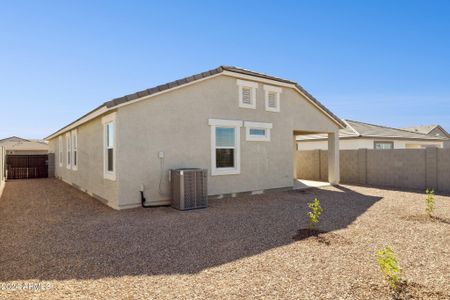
(399, 168)
(443, 170)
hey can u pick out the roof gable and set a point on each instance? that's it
(225, 70)
(13, 139)
(356, 129)
(433, 130)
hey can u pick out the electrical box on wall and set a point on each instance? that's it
(160, 154)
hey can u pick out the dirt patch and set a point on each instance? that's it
(410, 290)
(405, 291)
(426, 219)
(306, 233)
(240, 248)
(323, 237)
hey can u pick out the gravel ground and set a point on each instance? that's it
(57, 242)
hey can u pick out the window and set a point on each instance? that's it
(272, 96)
(247, 93)
(383, 145)
(256, 131)
(225, 147)
(74, 150)
(60, 151)
(109, 142)
(68, 150)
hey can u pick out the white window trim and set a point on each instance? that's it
(257, 125)
(214, 123)
(272, 89)
(60, 151)
(74, 136)
(247, 84)
(68, 151)
(111, 118)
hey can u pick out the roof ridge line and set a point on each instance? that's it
(383, 126)
(351, 127)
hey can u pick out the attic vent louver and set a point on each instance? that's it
(272, 100)
(247, 95)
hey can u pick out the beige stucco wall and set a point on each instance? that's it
(362, 143)
(2, 169)
(177, 124)
(89, 176)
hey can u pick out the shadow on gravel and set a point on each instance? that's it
(322, 237)
(52, 231)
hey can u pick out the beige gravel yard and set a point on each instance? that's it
(65, 244)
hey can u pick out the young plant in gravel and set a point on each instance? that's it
(315, 213)
(389, 266)
(429, 202)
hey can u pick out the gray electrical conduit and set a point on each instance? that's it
(161, 166)
(149, 205)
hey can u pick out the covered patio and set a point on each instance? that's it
(332, 174)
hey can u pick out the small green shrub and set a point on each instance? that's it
(429, 202)
(315, 213)
(389, 266)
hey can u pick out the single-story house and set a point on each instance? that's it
(20, 146)
(360, 135)
(238, 124)
(432, 130)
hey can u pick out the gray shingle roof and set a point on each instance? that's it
(361, 129)
(121, 100)
(179, 82)
(424, 129)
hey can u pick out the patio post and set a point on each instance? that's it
(333, 158)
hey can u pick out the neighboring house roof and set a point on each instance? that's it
(17, 143)
(427, 129)
(356, 129)
(13, 139)
(108, 105)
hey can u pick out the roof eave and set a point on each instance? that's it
(141, 95)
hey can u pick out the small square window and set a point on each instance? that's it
(258, 132)
(383, 145)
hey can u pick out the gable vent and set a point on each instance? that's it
(247, 95)
(272, 100)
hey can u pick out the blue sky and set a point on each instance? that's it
(385, 62)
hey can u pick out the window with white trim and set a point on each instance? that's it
(60, 151)
(109, 146)
(74, 150)
(272, 98)
(68, 151)
(225, 147)
(257, 131)
(247, 93)
(377, 145)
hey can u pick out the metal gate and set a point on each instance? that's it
(27, 166)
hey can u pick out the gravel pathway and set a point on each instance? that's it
(57, 242)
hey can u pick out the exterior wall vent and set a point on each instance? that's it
(189, 188)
